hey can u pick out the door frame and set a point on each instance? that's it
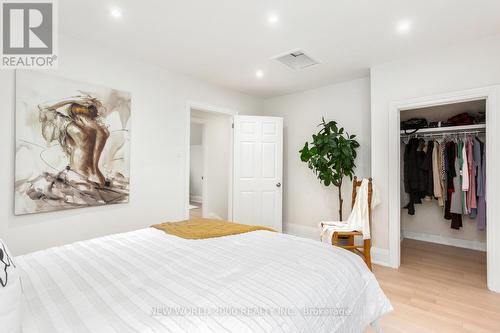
(492, 96)
(190, 105)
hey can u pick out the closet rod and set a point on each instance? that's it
(449, 134)
(449, 129)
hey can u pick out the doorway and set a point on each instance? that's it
(209, 162)
(242, 174)
(490, 95)
(196, 170)
(443, 206)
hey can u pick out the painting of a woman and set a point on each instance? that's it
(81, 133)
(78, 145)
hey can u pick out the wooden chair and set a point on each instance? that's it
(349, 236)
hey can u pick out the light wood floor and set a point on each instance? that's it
(438, 289)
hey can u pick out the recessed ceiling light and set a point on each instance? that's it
(273, 19)
(404, 26)
(259, 74)
(116, 13)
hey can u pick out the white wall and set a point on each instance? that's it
(217, 155)
(428, 222)
(453, 69)
(306, 201)
(158, 135)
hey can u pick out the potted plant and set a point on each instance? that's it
(331, 156)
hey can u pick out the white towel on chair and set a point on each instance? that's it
(359, 219)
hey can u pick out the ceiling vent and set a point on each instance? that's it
(296, 60)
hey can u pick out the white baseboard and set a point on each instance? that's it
(467, 244)
(301, 231)
(379, 256)
(196, 198)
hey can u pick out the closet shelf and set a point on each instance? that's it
(450, 129)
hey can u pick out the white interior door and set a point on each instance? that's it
(258, 171)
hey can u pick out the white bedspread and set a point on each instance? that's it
(148, 281)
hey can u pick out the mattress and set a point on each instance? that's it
(148, 281)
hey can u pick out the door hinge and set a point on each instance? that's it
(232, 125)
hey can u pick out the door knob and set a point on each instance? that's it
(278, 184)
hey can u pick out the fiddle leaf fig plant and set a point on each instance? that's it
(331, 156)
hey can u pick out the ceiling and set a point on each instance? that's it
(226, 42)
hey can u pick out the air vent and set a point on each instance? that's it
(296, 60)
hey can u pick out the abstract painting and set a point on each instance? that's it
(72, 144)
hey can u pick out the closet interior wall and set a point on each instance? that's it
(428, 223)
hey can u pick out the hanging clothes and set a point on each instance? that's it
(404, 197)
(478, 157)
(471, 166)
(464, 168)
(414, 180)
(444, 161)
(428, 171)
(436, 173)
(451, 171)
(464, 172)
(481, 188)
(422, 169)
(450, 175)
(455, 193)
(456, 200)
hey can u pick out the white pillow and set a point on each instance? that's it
(10, 292)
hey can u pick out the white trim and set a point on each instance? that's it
(379, 256)
(439, 239)
(190, 105)
(204, 183)
(491, 94)
(210, 108)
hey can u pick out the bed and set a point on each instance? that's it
(149, 281)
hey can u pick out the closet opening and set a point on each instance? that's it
(443, 190)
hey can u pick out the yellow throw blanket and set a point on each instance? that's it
(206, 228)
